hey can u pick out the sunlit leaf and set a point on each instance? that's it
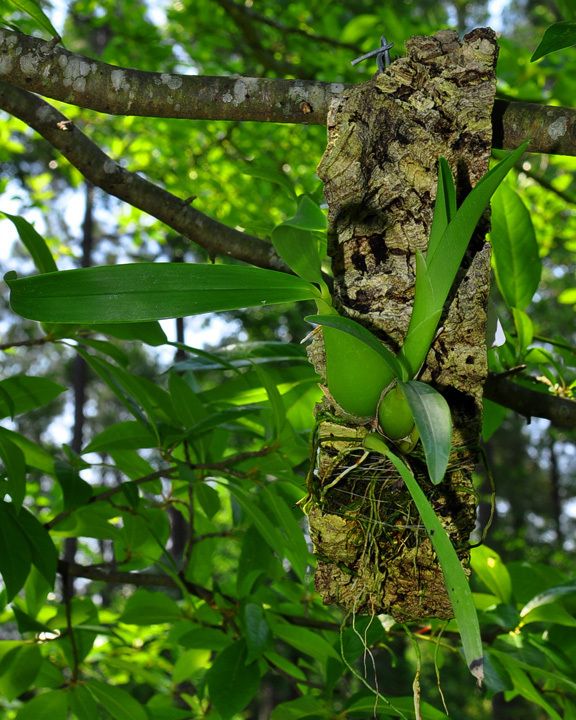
(557, 37)
(143, 292)
(516, 259)
(455, 578)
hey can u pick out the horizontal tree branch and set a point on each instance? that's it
(34, 64)
(530, 403)
(104, 172)
(144, 579)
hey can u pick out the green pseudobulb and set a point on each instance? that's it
(394, 414)
(356, 375)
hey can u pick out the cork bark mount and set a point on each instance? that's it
(380, 174)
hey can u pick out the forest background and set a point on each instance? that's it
(163, 569)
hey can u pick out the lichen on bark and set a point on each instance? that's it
(380, 174)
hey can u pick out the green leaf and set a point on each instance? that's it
(522, 684)
(454, 576)
(398, 707)
(270, 174)
(304, 640)
(34, 243)
(488, 565)
(150, 333)
(82, 703)
(18, 670)
(436, 275)
(128, 435)
(309, 216)
(34, 455)
(355, 330)
(297, 242)
(231, 682)
(299, 250)
(303, 707)
(51, 705)
(26, 393)
(117, 702)
(295, 547)
(434, 423)
(275, 400)
(188, 407)
(557, 37)
(516, 259)
(257, 631)
(444, 207)
(493, 416)
(44, 555)
(32, 8)
(76, 492)
(15, 552)
(150, 608)
(15, 467)
(524, 331)
(552, 595)
(150, 291)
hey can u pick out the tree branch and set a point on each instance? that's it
(34, 64)
(106, 173)
(530, 403)
(144, 579)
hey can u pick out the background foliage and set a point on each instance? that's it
(159, 566)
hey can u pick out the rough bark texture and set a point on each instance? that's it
(380, 172)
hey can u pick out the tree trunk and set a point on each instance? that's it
(380, 174)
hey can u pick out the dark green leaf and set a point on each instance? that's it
(150, 333)
(34, 455)
(257, 631)
(303, 707)
(275, 400)
(43, 552)
(51, 705)
(76, 492)
(18, 670)
(15, 467)
(150, 291)
(239, 355)
(128, 435)
(150, 608)
(116, 701)
(232, 683)
(34, 243)
(307, 641)
(188, 407)
(557, 37)
(15, 552)
(27, 393)
(492, 418)
(434, 423)
(270, 174)
(516, 259)
(82, 703)
(26, 623)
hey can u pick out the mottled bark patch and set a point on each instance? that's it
(380, 172)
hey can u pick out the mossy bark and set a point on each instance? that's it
(380, 173)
